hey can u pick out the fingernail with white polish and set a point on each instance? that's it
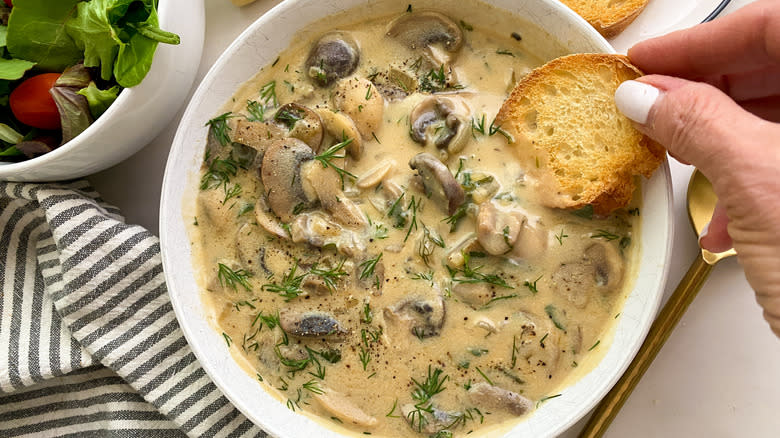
(634, 99)
(704, 232)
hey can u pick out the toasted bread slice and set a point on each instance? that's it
(576, 146)
(609, 17)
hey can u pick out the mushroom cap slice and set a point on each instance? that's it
(438, 181)
(425, 28)
(422, 311)
(280, 173)
(489, 397)
(302, 123)
(334, 56)
(362, 102)
(341, 126)
(257, 135)
(343, 408)
(310, 324)
(326, 184)
(497, 230)
(436, 121)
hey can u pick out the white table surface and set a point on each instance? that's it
(719, 373)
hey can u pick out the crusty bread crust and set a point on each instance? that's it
(609, 17)
(574, 142)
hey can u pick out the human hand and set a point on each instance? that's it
(718, 107)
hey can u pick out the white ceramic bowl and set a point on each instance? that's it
(137, 115)
(258, 46)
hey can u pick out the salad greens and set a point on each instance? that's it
(114, 39)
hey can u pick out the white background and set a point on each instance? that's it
(719, 373)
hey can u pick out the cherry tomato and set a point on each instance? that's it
(32, 103)
(9, 3)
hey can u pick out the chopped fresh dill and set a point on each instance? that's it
(233, 192)
(373, 134)
(544, 399)
(514, 351)
(427, 276)
(290, 86)
(413, 207)
(604, 234)
(432, 385)
(219, 173)
(246, 207)
(585, 212)
(326, 158)
(552, 312)
(289, 116)
(469, 274)
(497, 130)
(532, 286)
(477, 126)
(256, 111)
(228, 341)
(560, 236)
(220, 128)
(368, 266)
(230, 278)
(313, 387)
(505, 52)
(494, 299)
(365, 357)
(368, 92)
(455, 218)
(392, 410)
(507, 240)
(290, 286)
(427, 244)
(367, 316)
(595, 345)
(484, 376)
(541, 341)
(336, 419)
(330, 276)
(268, 94)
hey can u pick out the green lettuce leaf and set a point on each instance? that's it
(36, 32)
(99, 100)
(12, 69)
(95, 35)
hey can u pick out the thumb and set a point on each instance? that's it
(697, 123)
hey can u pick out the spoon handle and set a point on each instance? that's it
(670, 315)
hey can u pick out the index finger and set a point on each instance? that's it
(747, 40)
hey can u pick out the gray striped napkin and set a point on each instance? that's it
(89, 344)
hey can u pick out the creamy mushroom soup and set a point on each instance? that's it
(370, 246)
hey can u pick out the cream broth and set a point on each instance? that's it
(384, 290)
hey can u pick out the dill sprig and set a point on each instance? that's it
(326, 158)
(368, 266)
(313, 387)
(220, 128)
(432, 385)
(219, 173)
(268, 94)
(427, 244)
(532, 285)
(330, 276)
(256, 111)
(231, 278)
(471, 274)
(604, 234)
(290, 286)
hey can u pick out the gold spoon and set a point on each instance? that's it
(701, 204)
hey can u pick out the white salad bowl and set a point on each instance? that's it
(258, 46)
(137, 115)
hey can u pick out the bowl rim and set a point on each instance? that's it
(124, 99)
(171, 256)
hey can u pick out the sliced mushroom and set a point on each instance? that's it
(257, 135)
(423, 312)
(600, 269)
(427, 421)
(475, 295)
(437, 121)
(266, 219)
(310, 324)
(531, 240)
(362, 102)
(334, 56)
(492, 397)
(301, 123)
(326, 184)
(497, 230)
(343, 408)
(281, 176)
(249, 247)
(425, 29)
(340, 127)
(316, 230)
(438, 181)
(376, 174)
